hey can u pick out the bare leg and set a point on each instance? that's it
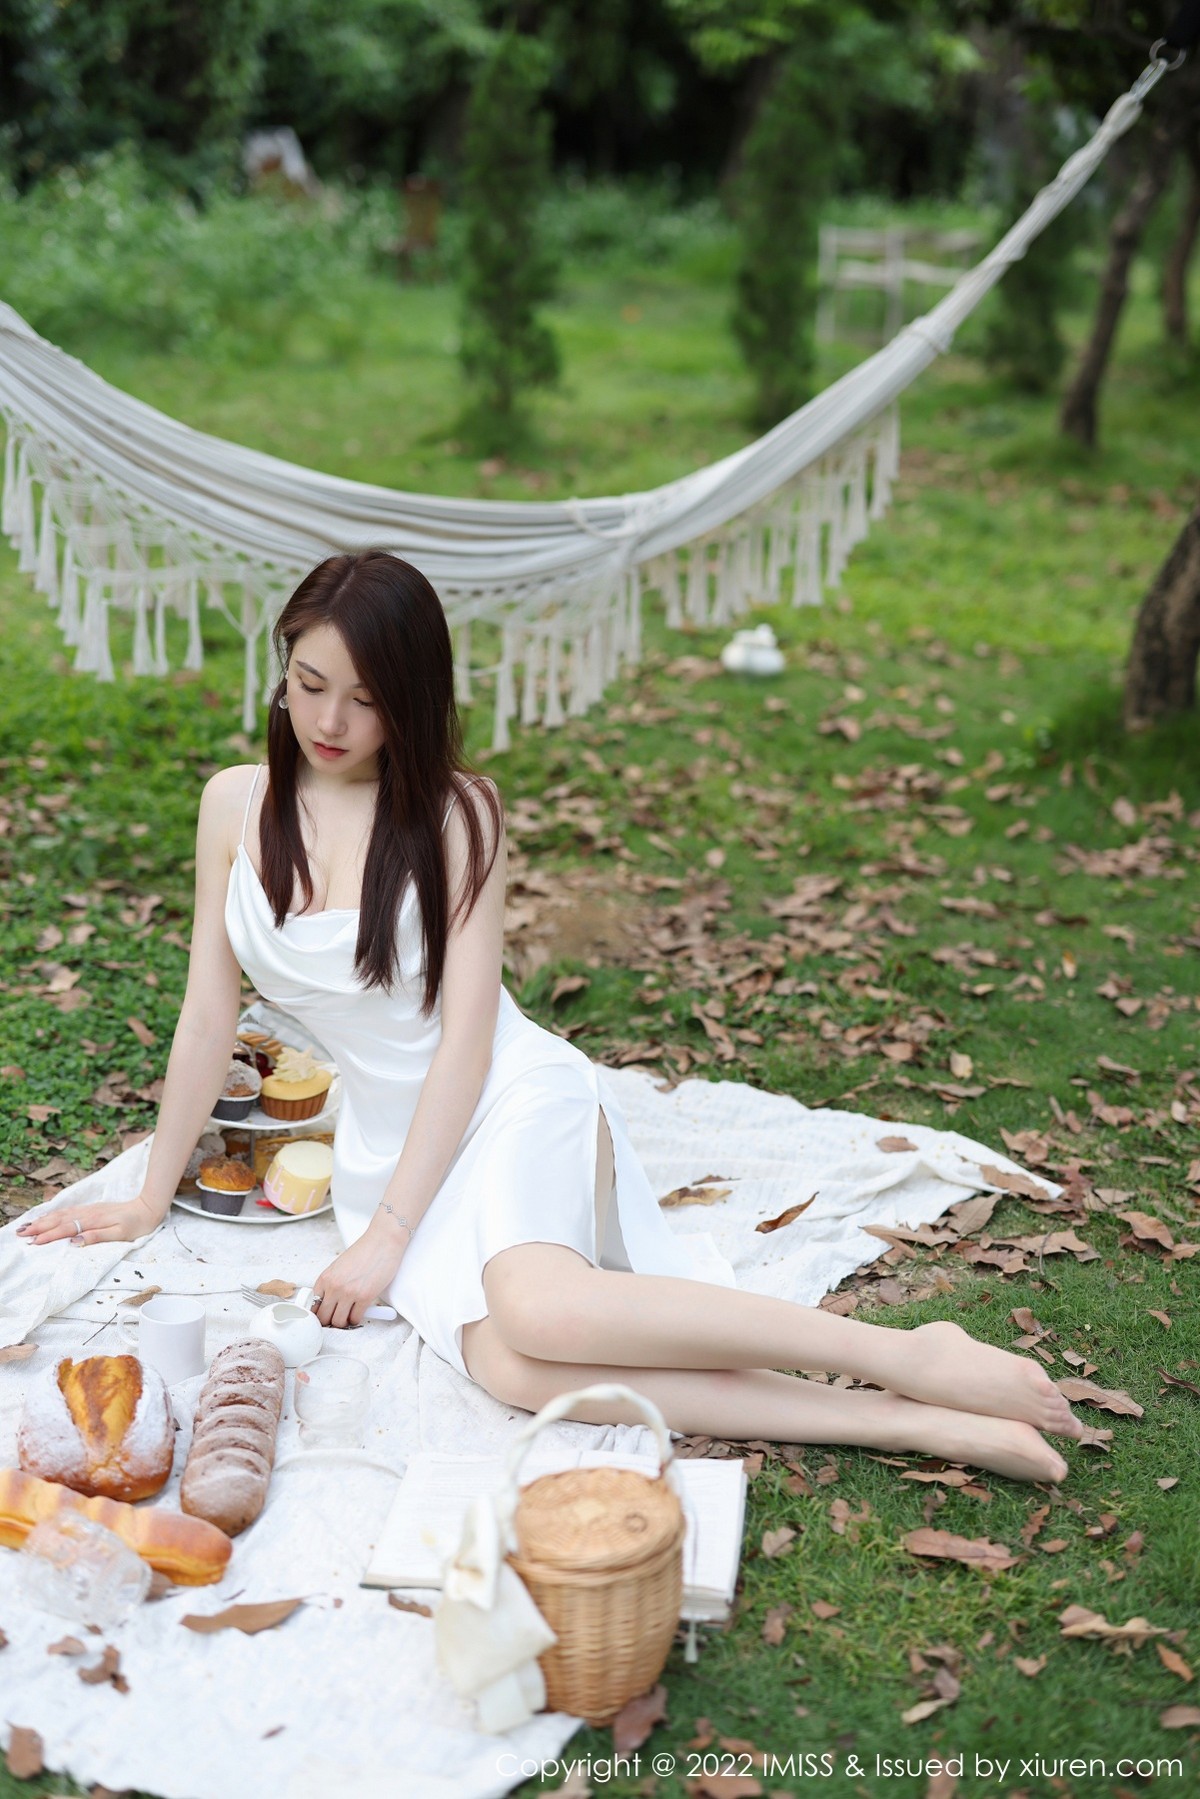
(553, 1305)
(748, 1403)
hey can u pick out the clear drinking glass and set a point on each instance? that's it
(331, 1402)
(78, 1569)
(332, 1399)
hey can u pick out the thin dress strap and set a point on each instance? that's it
(250, 802)
(455, 793)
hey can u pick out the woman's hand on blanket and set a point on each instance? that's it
(117, 1221)
(356, 1279)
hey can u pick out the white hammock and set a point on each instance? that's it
(109, 502)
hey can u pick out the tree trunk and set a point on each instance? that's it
(1175, 319)
(1078, 416)
(1161, 676)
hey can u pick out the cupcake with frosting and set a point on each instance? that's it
(241, 1089)
(297, 1086)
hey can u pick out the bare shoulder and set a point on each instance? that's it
(223, 804)
(482, 796)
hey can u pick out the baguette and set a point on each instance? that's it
(188, 1551)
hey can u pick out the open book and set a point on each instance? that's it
(423, 1528)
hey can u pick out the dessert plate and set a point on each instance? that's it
(251, 1212)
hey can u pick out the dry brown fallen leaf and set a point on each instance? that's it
(775, 1625)
(1180, 1717)
(894, 1146)
(724, 1786)
(1056, 1243)
(822, 1609)
(568, 983)
(409, 1605)
(1150, 1230)
(1163, 1318)
(24, 1757)
(924, 1708)
(107, 1669)
(637, 1718)
(1173, 1381)
(777, 1542)
(139, 1299)
(1078, 1621)
(694, 1196)
(788, 1217)
(1173, 1662)
(842, 1521)
(1112, 1399)
(1021, 1184)
(946, 1477)
(576, 1785)
(278, 1289)
(976, 1552)
(142, 1032)
(18, 1352)
(1029, 1665)
(249, 1619)
(67, 1646)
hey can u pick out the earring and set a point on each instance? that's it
(283, 702)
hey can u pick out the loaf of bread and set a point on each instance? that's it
(102, 1426)
(229, 1464)
(186, 1550)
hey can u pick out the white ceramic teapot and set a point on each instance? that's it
(294, 1330)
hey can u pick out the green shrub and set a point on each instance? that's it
(789, 161)
(106, 250)
(508, 270)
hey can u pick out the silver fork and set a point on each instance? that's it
(304, 1296)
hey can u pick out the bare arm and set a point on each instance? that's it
(470, 999)
(200, 1048)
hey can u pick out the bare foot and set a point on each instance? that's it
(1003, 1445)
(942, 1365)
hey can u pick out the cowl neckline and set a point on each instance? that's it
(291, 917)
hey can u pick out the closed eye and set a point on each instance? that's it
(369, 704)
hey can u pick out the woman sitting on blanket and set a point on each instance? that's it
(484, 1181)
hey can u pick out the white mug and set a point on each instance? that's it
(168, 1332)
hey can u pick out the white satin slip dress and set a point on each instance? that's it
(525, 1170)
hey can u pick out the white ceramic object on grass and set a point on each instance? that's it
(753, 652)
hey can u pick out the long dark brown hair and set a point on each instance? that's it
(393, 626)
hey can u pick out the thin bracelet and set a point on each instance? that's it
(404, 1221)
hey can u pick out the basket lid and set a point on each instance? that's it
(596, 1519)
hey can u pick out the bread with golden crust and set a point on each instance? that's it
(187, 1551)
(102, 1426)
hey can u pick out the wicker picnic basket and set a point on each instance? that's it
(601, 1552)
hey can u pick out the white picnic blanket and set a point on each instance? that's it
(345, 1695)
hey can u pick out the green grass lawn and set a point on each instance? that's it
(1017, 911)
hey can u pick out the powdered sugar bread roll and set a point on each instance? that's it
(102, 1427)
(229, 1464)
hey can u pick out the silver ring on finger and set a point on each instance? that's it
(78, 1229)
